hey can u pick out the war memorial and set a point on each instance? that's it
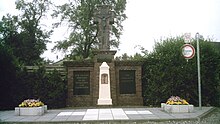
(104, 90)
(104, 81)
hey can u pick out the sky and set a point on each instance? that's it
(149, 21)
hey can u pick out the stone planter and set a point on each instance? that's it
(177, 108)
(30, 110)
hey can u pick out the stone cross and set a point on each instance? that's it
(104, 17)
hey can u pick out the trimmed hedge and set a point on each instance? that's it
(8, 77)
(49, 87)
(166, 73)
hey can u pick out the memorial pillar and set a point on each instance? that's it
(104, 85)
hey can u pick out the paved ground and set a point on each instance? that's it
(107, 115)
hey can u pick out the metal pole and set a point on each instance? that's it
(199, 77)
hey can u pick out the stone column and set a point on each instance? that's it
(104, 85)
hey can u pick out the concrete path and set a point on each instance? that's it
(105, 115)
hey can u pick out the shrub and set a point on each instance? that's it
(166, 73)
(49, 87)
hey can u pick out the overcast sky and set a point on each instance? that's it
(150, 20)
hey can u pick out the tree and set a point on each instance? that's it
(137, 56)
(9, 31)
(79, 15)
(24, 34)
(33, 36)
(167, 72)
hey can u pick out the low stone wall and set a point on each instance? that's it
(20, 111)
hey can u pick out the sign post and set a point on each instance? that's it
(188, 52)
(199, 77)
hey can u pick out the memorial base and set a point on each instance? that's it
(104, 101)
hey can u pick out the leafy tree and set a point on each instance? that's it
(9, 31)
(24, 34)
(125, 56)
(32, 35)
(138, 56)
(166, 72)
(22, 40)
(79, 15)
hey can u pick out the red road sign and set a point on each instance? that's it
(188, 51)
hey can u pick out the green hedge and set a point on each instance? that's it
(49, 87)
(167, 73)
(8, 78)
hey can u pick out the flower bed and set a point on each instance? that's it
(31, 107)
(177, 105)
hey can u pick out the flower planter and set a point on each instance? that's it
(177, 108)
(31, 110)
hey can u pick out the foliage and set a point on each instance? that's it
(136, 56)
(79, 15)
(49, 87)
(8, 68)
(24, 33)
(166, 72)
(57, 85)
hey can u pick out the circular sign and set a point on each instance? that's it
(188, 51)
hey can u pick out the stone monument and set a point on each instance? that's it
(104, 80)
(104, 85)
(104, 17)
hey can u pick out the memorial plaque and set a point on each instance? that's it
(81, 83)
(127, 83)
